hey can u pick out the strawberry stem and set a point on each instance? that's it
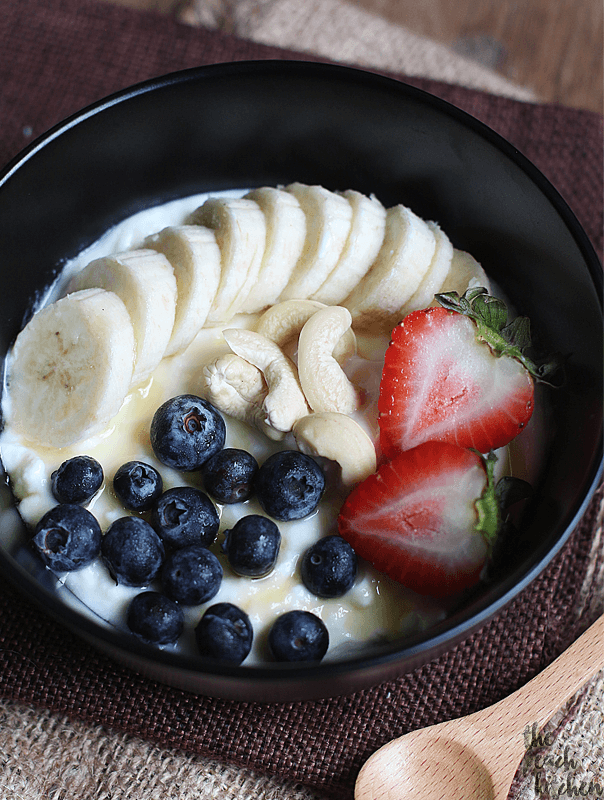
(496, 498)
(487, 505)
(490, 315)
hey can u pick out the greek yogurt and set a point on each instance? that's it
(375, 609)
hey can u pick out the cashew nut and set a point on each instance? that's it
(339, 438)
(235, 387)
(324, 383)
(238, 388)
(283, 322)
(284, 402)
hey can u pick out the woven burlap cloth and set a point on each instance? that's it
(76, 725)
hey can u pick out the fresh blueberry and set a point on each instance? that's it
(229, 475)
(185, 516)
(186, 431)
(329, 567)
(77, 480)
(155, 618)
(224, 632)
(67, 537)
(191, 575)
(298, 636)
(289, 485)
(138, 485)
(252, 545)
(132, 551)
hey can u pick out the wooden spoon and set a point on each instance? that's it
(476, 757)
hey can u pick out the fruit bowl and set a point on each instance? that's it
(231, 126)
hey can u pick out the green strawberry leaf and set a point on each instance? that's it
(490, 316)
(491, 311)
(487, 506)
(518, 333)
(496, 498)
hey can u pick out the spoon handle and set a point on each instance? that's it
(545, 693)
(498, 732)
(476, 756)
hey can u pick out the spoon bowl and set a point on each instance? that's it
(476, 757)
(443, 766)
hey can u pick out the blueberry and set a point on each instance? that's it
(137, 485)
(229, 475)
(191, 575)
(252, 545)
(186, 431)
(289, 485)
(298, 636)
(67, 537)
(329, 567)
(185, 516)
(155, 618)
(224, 632)
(77, 480)
(132, 551)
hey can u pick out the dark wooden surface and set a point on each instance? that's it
(551, 46)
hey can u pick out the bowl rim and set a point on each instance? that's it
(439, 637)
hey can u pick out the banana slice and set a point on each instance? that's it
(360, 251)
(194, 255)
(283, 322)
(465, 272)
(341, 439)
(436, 274)
(397, 272)
(328, 221)
(70, 369)
(285, 236)
(145, 282)
(240, 231)
(324, 383)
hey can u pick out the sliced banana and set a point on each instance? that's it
(360, 251)
(284, 403)
(328, 220)
(465, 272)
(145, 282)
(285, 236)
(436, 274)
(324, 382)
(397, 272)
(194, 255)
(283, 322)
(70, 369)
(339, 438)
(240, 232)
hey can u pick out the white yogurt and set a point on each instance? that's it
(376, 608)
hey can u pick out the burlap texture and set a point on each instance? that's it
(344, 32)
(102, 731)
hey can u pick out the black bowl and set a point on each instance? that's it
(269, 123)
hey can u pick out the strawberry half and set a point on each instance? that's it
(458, 374)
(428, 518)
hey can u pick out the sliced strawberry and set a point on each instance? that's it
(456, 374)
(428, 518)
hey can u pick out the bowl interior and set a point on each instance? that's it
(270, 123)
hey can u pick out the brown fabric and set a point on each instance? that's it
(58, 56)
